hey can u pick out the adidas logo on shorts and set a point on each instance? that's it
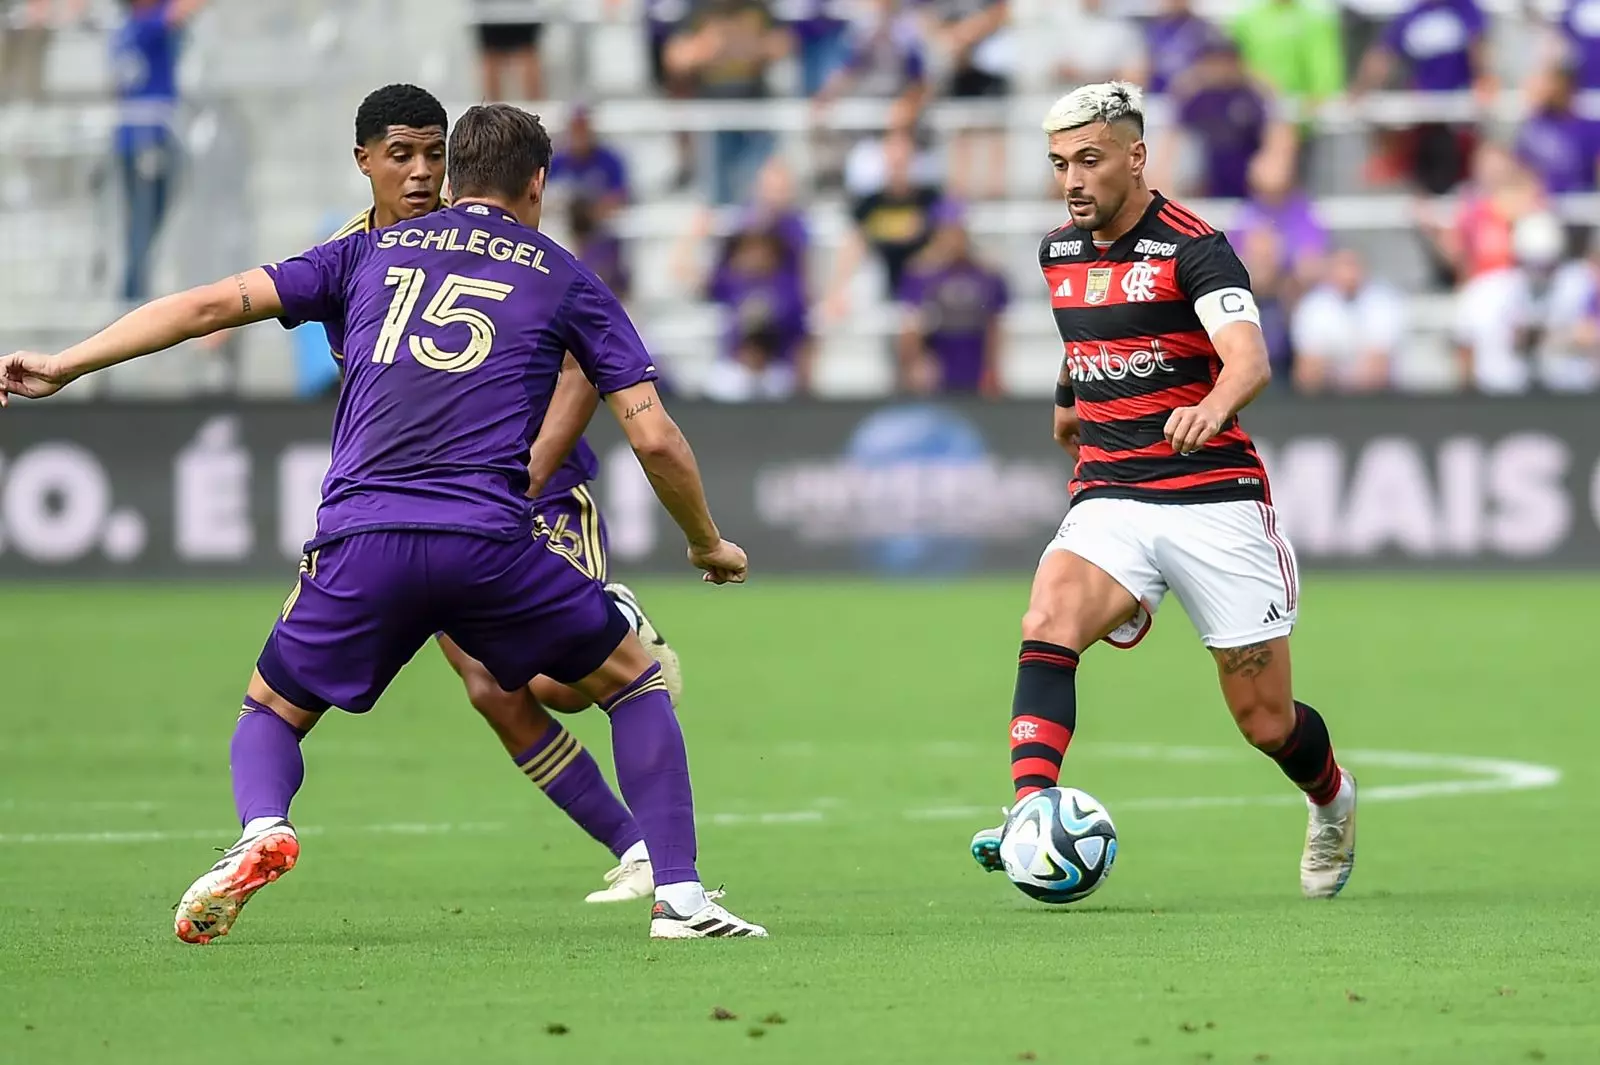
(1272, 614)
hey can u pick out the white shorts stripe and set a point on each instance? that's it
(1291, 583)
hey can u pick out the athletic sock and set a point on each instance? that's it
(653, 772)
(1044, 711)
(266, 763)
(1306, 757)
(569, 775)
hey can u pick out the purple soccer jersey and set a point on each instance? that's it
(455, 325)
(579, 467)
(1563, 149)
(595, 176)
(1434, 39)
(955, 304)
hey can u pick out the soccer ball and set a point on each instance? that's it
(1059, 845)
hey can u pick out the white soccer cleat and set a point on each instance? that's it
(628, 881)
(1330, 853)
(212, 903)
(986, 844)
(651, 637)
(710, 921)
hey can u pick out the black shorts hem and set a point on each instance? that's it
(509, 36)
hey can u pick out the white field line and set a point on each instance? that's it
(1472, 776)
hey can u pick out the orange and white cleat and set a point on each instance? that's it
(212, 903)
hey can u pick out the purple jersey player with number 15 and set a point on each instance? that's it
(456, 326)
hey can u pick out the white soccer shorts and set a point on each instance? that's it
(1227, 563)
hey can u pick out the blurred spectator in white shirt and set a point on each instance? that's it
(1092, 45)
(1530, 324)
(1347, 331)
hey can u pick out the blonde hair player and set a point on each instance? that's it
(1163, 348)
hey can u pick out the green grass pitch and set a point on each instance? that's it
(846, 739)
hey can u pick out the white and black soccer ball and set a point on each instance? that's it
(1059, 845)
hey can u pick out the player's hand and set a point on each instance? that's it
(26, 373)
(723, 564)
(1188, 428)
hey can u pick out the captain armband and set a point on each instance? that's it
(1224, 306)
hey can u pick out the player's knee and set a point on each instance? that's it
(1264, 724)
(489, 699)
(1051, 626)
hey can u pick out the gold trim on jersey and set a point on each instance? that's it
(582, 547)
(589, 525)
(308, 570)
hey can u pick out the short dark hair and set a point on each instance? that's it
(398, 105)
(495, 151)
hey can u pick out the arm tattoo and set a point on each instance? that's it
(1249, 661)
(638, 408)
(244, 293)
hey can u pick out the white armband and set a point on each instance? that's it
(1225, 305)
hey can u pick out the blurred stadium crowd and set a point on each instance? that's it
(845, 196)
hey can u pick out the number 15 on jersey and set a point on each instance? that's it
(442, 310)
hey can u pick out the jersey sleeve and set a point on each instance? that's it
(602, 338)
(311, 286)
(1213, 279)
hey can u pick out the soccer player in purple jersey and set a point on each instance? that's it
(400, 148)
(456, 327)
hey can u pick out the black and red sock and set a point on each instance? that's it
(1044, 711)
(1306, 757)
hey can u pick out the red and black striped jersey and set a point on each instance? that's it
(1135, 350)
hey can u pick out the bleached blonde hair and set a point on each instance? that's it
(1108, 101)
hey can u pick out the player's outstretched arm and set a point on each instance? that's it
(571, 408)
(670, 465)
(156, 326)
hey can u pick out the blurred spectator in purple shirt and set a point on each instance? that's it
(1437, 46)
(1276, 204)
(585, 169)
(1556, 143)
(951, 337)
(1175, 41)
(1228, 116)
(772, 212)
(766, 349)
(1441, 44)
(1580, 34)
(819, 28)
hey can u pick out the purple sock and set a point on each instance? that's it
(653, 770)
(568, 774)
(266, 763)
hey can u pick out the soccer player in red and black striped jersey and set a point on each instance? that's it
(1163, 347)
